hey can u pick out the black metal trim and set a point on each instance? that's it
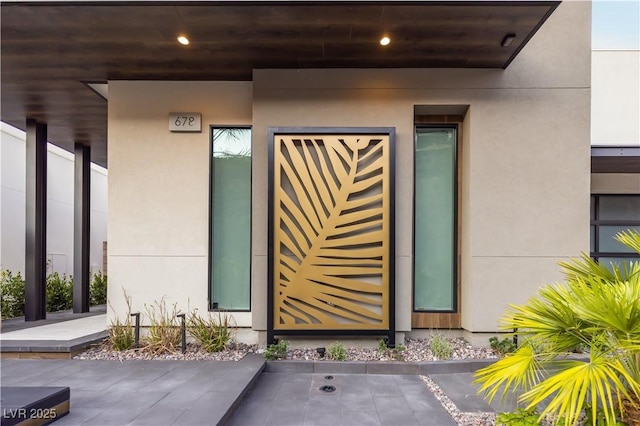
(456, 248)
(271, 134)
(211, 304)
(35, 307)
(81, 227)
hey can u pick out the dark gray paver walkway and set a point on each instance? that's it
(359, 399)
(141, 392)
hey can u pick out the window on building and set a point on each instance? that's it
(230, 219)
(611, 214)
(434, 271)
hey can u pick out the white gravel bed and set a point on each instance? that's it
(463, 419)
(235, 352)
(416, 350)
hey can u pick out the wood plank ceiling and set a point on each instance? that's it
(50, 49)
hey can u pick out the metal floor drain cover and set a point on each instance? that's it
(327, 388)
(328, 377)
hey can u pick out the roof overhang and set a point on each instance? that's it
(51, 51)
(615, 159)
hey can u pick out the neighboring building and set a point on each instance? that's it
(615, 139)
(333, 188)
(60, 206)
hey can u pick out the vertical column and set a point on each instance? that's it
(36, 222)
(81, 228)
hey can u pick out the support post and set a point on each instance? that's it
(81, 227)
(36, 222)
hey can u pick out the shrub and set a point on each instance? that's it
(11, 294)
(440, 347)
(596, 307)
(164, 331)
(98, 289)
(213, 334)
(337, 352)
(277, 351)
(121, 333)
(518, 418)
(504, 346)
(396, 353)
(59, 292)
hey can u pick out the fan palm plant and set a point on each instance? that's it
(596, 308)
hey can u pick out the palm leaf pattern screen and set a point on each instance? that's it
(331, 232)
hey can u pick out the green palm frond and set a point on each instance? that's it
(576, 384)
(519, 370)
(630, 238)
(587, 268)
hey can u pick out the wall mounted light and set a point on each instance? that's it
(183, 40)
(507, 40)
(384, 41)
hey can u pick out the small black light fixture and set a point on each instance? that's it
(507, 40)
(321, 352)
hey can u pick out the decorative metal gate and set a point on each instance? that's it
(331, 232)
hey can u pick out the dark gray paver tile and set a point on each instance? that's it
(114, 416)
(445, 367)
(340, 367)
(353, 401)
(251, 411)
(394, 410)
(287, 415)
(77, 416)
(435, 419)
(323, 413)
(360, 418)
(157, 416)
(180, 399)
(207, 410)
(459, 389)
(424, 402)
(392, 368)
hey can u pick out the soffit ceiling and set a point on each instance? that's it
(50, 50)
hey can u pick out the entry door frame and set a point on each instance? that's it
(389, 132)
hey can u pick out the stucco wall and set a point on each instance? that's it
(60, 195)
(159, 189)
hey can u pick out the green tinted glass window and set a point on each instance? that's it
(230, 218)
(434, 238)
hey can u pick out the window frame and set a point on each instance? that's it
(211, 304)
(440, 318)
(596, 223)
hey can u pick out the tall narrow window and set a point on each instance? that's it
(435, 220)
(230, 237)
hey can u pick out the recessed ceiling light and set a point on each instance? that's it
(384, 41)
(183, 40)
(507, 40)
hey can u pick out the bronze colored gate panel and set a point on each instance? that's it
(331, 232)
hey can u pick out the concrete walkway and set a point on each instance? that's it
(61, 335)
